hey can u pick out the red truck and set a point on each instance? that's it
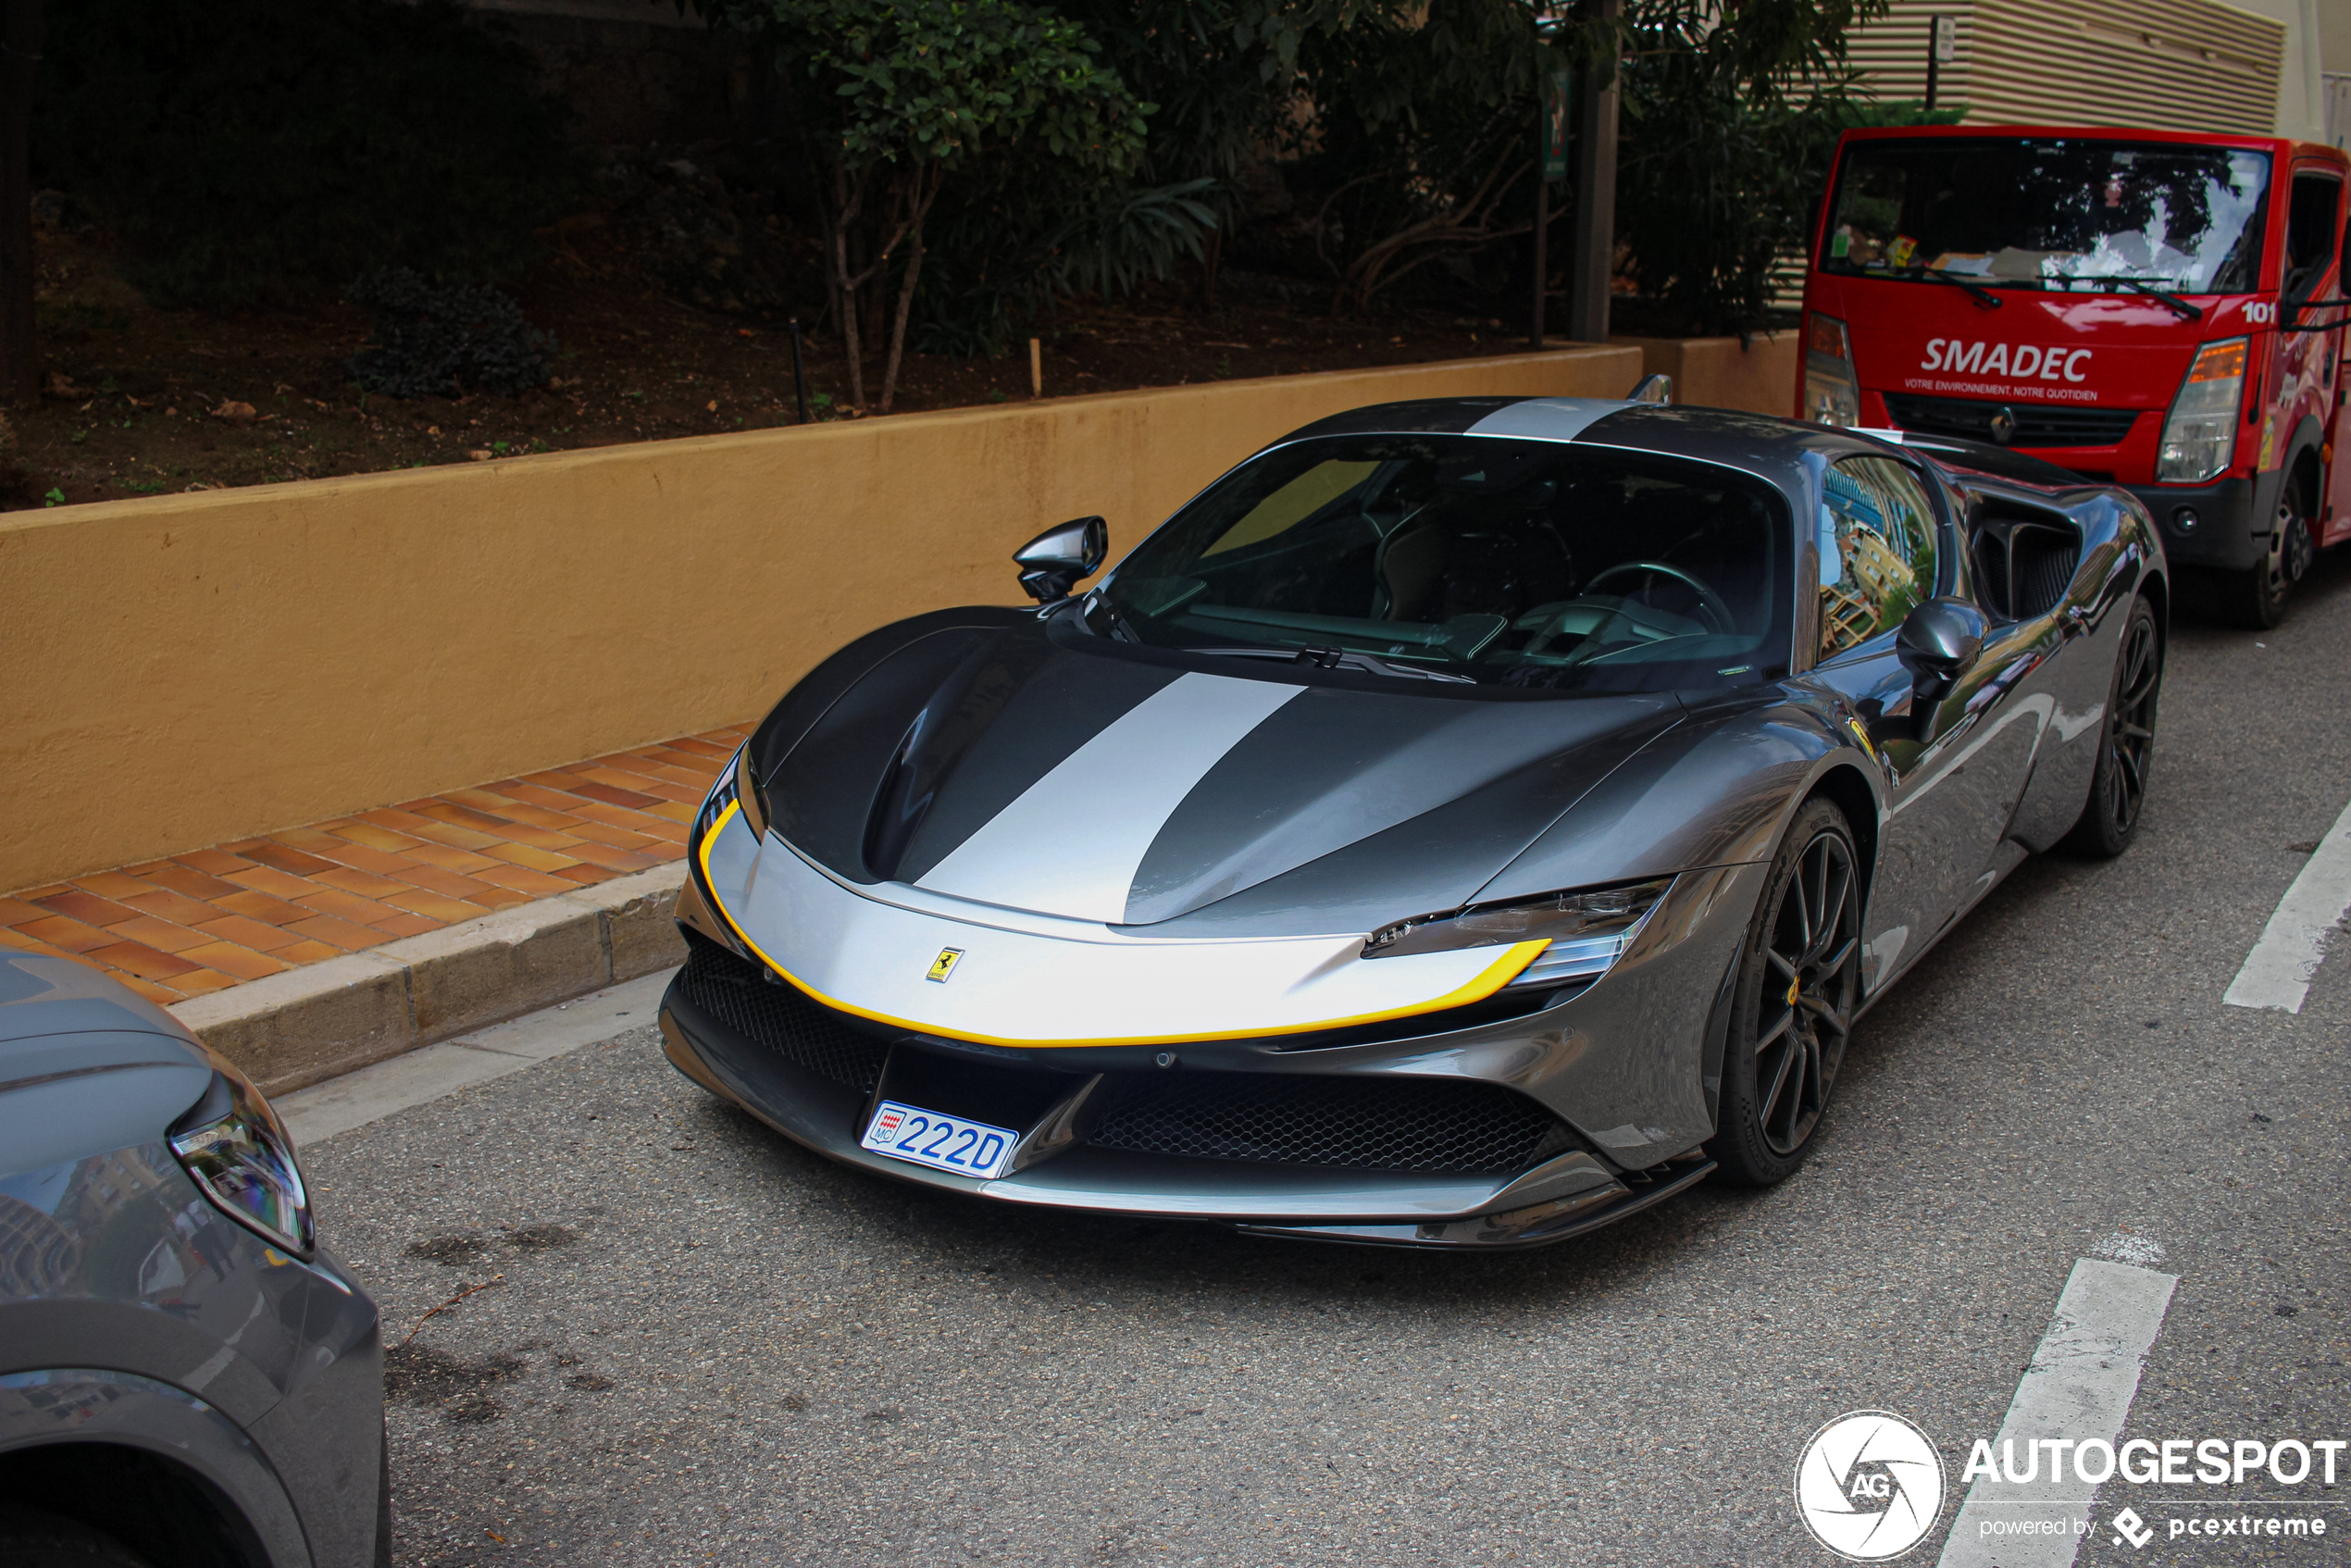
(2152, 309)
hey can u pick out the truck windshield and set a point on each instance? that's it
(1436, 558)
(2073, 215)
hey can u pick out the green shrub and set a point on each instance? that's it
(250, 149)
(442, 340)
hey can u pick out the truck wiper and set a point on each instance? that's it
(1977, 291)
(2178, 306)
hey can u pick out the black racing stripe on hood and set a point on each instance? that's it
(1439, 859)
(813, 696)
(1333, 767)
(1015, 713)
(820, 792)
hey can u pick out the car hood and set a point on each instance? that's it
(1002, 764)
(58, 1017)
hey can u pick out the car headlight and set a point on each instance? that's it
(735, 787)
(1587, 931)
(1830, 396)
(239, 1156)
(2200, 435)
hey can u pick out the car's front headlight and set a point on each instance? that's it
(735, 787)
(2200, 433)
(1587, 931)
(240, 1157)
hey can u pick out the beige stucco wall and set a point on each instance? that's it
(182, 670)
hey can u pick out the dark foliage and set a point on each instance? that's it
(1718, 188)
(443, 340)
(246, 149)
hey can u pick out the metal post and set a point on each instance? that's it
(1593, 254)
(799, 372)
(20, 52)
(1941, 44)
(1551, 101)
(1542, 262)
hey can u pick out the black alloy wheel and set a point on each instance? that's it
(1800, 983)
(2260, 594)
(2126, 742)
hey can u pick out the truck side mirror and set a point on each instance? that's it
(1936, 643)
(1054, 562)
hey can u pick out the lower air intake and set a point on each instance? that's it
(813, 1038)
(1359, 1124)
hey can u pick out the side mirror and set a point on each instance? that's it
(1054, 562)
(1936, 643)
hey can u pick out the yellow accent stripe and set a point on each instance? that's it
(1493, 977)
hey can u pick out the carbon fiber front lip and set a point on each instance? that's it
(823, 1116)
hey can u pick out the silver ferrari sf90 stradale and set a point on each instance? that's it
(1465, 823)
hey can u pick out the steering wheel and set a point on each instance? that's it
(1717, 613)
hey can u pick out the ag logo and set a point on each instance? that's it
(1869, 1485)
(944, 965)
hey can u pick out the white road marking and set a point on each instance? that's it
(372, 1093)
(2079, 1387)
(2277, 972)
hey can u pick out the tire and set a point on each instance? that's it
(2256, 597)
(31, 1538)
(2126, 743)
(1799, 981)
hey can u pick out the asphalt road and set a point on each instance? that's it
(701, 1344)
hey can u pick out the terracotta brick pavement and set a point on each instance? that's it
(210, 918)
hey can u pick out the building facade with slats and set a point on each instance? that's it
(2172, 64)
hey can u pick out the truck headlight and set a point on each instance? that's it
(1830, 395)
(240, 1157)
(1587, 931)
(2200, 435)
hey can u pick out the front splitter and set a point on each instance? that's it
(1564, 1196)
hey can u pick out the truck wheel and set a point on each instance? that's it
(2259, 594)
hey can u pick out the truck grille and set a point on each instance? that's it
(1354, 1122)
(2037, 424)
(782, 1017)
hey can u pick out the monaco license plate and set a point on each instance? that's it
(946, 1143)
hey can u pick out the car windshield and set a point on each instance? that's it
(1503, 562)
(2076, 216)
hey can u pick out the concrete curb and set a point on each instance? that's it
(295, 1028)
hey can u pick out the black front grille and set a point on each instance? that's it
(2037, 424)
(743, 996)
(1361, 1124)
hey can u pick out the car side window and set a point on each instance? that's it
(1877, 549)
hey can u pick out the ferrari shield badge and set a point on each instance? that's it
(944, 965)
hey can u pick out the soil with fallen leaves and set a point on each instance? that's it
(138, 401)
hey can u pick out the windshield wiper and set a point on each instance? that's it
(1983, 296)
(2180, 308)
(1336, 658)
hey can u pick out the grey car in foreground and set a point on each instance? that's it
(1464, 823)
(187, 1379)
